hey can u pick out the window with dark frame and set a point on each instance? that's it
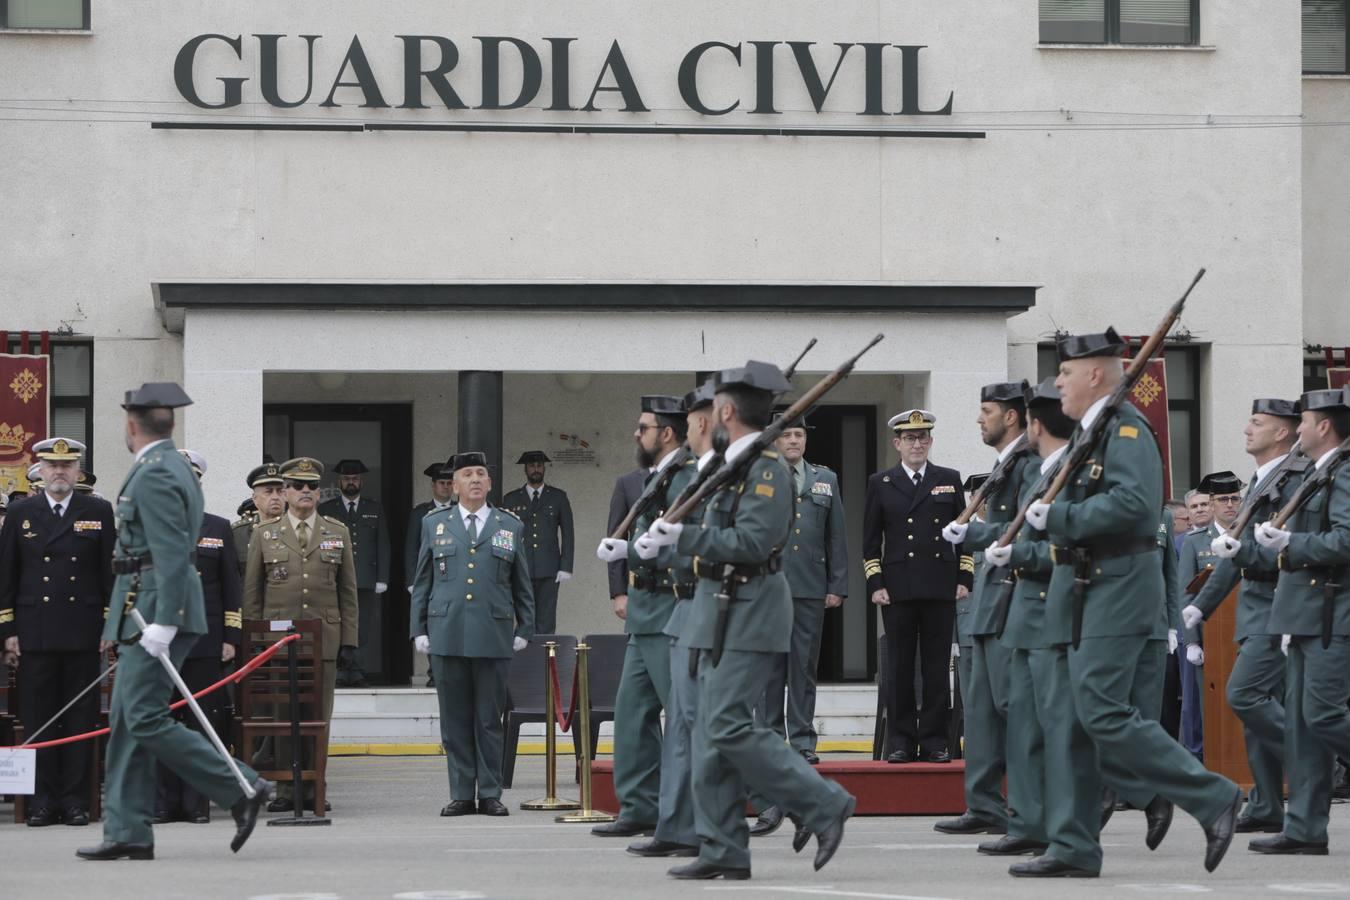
(45, 14)
(1120, 21)
(72, 390)
(1325, 46)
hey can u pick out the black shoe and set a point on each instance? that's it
(900, 756)
(811, 757)
(117, 850)
(1048, 867)
(704, 870)
(622, 827)
(1108, 805)
(42, 817)
(657, 847)
(969, 823)
(245, 812)
(828, 840)
(161, 817)
(74, 815)
(768, 822)
(1286, 846)
(1248, 825)
(281, 804)
(491, 806)
(1158, 815)
(801, 836)
(1011, 846)
(199, 818)
(459, 808)
(1219, 833)
(936, 756)
(431, 682)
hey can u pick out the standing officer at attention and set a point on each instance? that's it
(442, 477)
(471, 609)
(300, 567)
(1002, 422)
(269, 501)
(54, 589)
(1256, 685)
(547, 515)
(175, 799)
(159, 514)
(369, 531)
(915, 577)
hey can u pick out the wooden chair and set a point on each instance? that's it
(264, 700)
(526, 692)
(605, 667)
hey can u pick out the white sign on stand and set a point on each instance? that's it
(18, 770)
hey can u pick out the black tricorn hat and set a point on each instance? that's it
(1220, 483)
(973, 483)
(1314, 401)
(438, 470)
(86, 479)
(1042, 394)
(700, 397)
(468, 458)
(1082, 346)
(759, 376)
(800, 421)
(1004, 392)
(662, 405)
(532, 456)
(247, 506)
(157, 395)
(1273, 406)
(350, 467)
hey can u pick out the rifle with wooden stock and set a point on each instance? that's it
(994, 481)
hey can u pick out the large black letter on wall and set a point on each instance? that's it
(909, 75)
(413, 73)
(267, 47)
(689, 78)
(532, 74)
(365, 78)
(182, 72)
(623, 82)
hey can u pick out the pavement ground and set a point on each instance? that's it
(387, 841)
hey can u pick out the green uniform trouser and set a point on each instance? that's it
(1071, 787)
(644, 689)
(286, 789)
(471, 694)
(1256, 696)
(796, 671)
(1026, 752)
(1102, 679)
(986, 711)
(732, 754)
(1146, 695)
(1316, 729)
(676, 821)
(963, 665)
(143, 733)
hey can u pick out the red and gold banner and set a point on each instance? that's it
(25, 385)
(1338, 377)
(1150, 396)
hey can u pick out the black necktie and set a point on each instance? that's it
(58, 509)
(917, 479)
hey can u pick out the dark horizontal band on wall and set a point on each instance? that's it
(175, 298)
(524, 128)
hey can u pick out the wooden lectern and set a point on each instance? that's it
(1225, 747)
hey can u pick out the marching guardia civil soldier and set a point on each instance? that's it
(369, 530)
(1002, 422)
(159, 514)
(54, 587)
(741, 619)
(471, 609)
(644, 684)
(1312, 612)
(300, 567)
(1256, 685)
(962, 642)
(1103, 601)
(547, 515)
(269, 502)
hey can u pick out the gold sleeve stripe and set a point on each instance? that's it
(871, 567)
(968, 564)
(234, 620)
(6, 616)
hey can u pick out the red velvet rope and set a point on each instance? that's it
(232, 677)
(564, 719)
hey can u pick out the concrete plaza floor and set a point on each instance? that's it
(387, 841)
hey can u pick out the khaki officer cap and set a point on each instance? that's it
(302, 468)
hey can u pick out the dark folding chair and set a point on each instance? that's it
(605, 666)
(883, 682)
(526, 691)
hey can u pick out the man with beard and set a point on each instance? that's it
(269, 501)
(644, 685)
(366, 524)
(547, 515)
(54, 589)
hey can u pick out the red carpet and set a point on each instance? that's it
(913, 789)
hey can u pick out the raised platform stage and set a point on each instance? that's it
(882, 789)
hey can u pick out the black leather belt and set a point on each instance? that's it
(1258, 575)
(1031, 577)
(684, 590)
(1066, 556)
(741, 573)
(647, 582)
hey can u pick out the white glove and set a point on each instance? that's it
(1225, 546)
(954, 532)
(1192, 616)
(612, 550)
(562, 576)
(1284, 643)
(996, 555)
(155, 639)
(410, 587)
(1172, 642)
(1037, 514)
(956, 649)
(1195, 654)
(665, 534)
(381, 587)
(645, 548)
(422, 643)
(1267, 535)
(519, 643)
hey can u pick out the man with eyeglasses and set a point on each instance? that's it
(916, 578)
(300, 566)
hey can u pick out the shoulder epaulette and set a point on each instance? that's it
(333, 519)
(769, 454)
(509, 514)
(271, 520)
(1301, 464)
(244, 520)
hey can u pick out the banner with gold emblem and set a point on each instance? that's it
(1150, 396)
(1338, 374)
(1338, 377)
(24, 389)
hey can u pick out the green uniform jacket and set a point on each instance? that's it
(761, 617)
(1169, 617)
(159, 512)
(1031, 563)
(1115, 495)
(471, 599)
(1195, 557)
(815, 558)
(1319, 546)
(1255, 597)
(370, 538)
(242, 528)
(679, 565)
(1000, 508)
(281, 582)
(548, 527)
(650, 600)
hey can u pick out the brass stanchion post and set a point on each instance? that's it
(550, 741)
(582, 732)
